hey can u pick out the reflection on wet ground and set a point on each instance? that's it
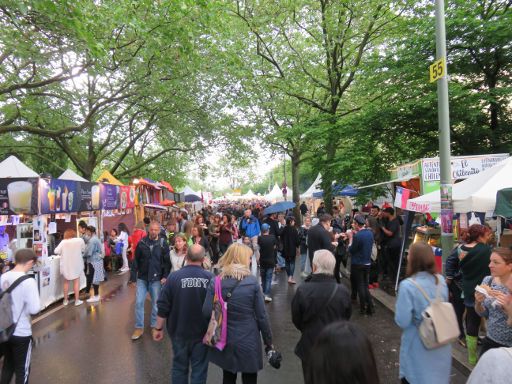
(91, 343)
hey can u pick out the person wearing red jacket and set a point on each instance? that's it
(138, 234)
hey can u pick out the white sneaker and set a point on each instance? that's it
(94, 299)
(65, 302)
(78, 302)
(268, 299)
(122, 271)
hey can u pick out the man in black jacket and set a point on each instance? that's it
(152, 266)
(319, 236)
(181, 304)
(318, 302)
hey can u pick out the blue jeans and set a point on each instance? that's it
(142, 290)
(280, 260)
(290, 267)
(266, 280)
(303, 258)
(193, 354)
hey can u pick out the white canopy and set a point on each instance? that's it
(70, 175)
(475, 194)
(276, 194)
(249, 195)
(314, 188)
(189, 191)
(13, 167)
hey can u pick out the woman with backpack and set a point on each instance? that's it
(418, 364)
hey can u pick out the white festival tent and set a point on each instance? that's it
(249, 195)
(13, 167)
(189, 191)
(475, 194)
(276, 194)
(68, 174)
(314, 188)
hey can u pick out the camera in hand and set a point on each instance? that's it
(274, 358)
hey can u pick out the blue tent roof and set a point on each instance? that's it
(339, 190)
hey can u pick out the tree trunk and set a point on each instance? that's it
(295, 185)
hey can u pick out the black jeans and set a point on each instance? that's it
(473, 321)
(89, 274)
(458, 305)
(361, 274)
(247, 378)
(214, 245)
(17, 353)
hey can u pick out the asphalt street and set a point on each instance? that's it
(91, 343)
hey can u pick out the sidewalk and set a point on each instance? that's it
(459, 354)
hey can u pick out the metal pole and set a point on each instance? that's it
(444, 138)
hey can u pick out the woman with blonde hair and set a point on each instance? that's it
(187, 230)
(70, 250)
(247, 317)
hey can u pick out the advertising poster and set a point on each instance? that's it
(127, 197)
(89, 196)
(59, 196)
(110, 196)
(18, 196)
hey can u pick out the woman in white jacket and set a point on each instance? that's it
(71, 249)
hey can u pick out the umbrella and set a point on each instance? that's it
(279, 207)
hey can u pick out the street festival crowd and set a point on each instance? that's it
(210, 276)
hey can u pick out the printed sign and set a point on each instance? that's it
(127, 197)
(418, 207)
(110, 196)
(438, 69)
(462, 167)
(58, 196)
(18, 196)
(89, 196)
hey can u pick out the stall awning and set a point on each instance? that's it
(155, 206)
(107, 177)
(383, 183)
(167, 185)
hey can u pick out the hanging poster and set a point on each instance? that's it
(58, 196)
(18, 196)
(127, 197)
(89, 197)
(110, 196)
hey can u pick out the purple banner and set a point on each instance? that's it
(110, 196)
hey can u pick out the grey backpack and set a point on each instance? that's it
(7, 323)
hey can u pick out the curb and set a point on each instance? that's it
(459, 357)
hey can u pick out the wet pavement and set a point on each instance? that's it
(91, 343)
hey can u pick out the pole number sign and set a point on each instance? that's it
(438, 69)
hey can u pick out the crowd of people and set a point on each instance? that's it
(234, 252)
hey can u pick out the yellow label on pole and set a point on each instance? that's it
(438, 69)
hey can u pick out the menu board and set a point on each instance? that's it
(59, 196)
(89, 196)
(18, 196)
(127, 197)
(110, 195)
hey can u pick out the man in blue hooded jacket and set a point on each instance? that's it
(250, 226)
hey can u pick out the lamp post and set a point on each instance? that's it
(444, 134)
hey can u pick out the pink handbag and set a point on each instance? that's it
(217, 332)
